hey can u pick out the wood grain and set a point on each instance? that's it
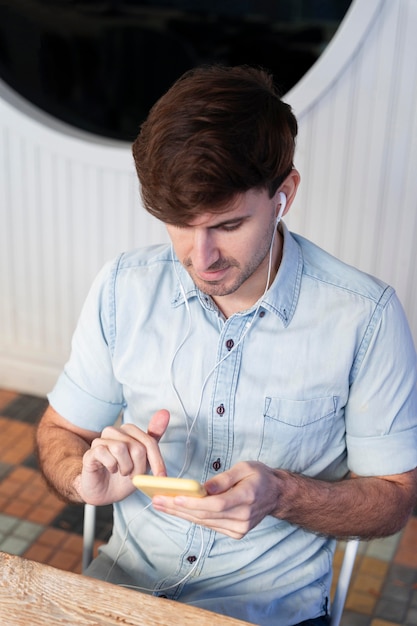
(39, 595)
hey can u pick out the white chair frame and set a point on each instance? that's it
(343, 581)
(89, 532)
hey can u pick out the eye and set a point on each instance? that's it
(231, 226)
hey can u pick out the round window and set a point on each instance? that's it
(99, 65)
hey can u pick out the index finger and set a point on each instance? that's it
(158, 424)
(156, 428)
(149, 440)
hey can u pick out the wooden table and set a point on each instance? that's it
(33, 594)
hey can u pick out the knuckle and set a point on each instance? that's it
(117, 448)
(138, 454)
(243, 530)
(251, 498)
(108, 431)
(128, 428)
(98, 443)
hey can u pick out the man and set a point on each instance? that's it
(242, 356)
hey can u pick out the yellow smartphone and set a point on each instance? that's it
(167, 486)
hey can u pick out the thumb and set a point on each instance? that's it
(158, 424)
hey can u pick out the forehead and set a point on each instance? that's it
(243, 204)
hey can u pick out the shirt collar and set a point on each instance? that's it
(281, 298)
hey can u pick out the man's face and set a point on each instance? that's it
(227, 254)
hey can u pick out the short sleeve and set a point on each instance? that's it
(381, 414)
(87, 392)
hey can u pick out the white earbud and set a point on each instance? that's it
(283, 201)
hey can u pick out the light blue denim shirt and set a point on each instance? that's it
(322, 382)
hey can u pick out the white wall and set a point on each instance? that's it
(357, 149)
(70, 201)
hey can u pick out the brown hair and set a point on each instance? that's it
(217, 132)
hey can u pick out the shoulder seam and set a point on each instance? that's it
(374, 320)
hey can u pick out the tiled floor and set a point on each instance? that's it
(36, 524)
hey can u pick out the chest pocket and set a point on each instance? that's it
(296, 432)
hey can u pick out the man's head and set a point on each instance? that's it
(217, 133)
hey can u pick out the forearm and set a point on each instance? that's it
(60, 454)
(356, 507)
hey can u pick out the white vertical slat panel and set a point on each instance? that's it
(63, 191)
(371, 131)
(68, 203)
(397, 253)
(367, 141)
(19, 239)
(29, 250)
(405, 253)
(6, 293)
(48, 250)
(357, 146)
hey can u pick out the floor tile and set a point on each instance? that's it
(383, 622)
(349, 618)
(38, 552)
(52, 537)
(374, 566)
(6, 397)
(17, 535)
(63, 559)
(369, 584)
(7, 523)
(24, 475)
(14, 545)
(396, 591)
(402, 575)
(391, 610)
(360, 601)
(411, 617)
(4, 469)
(9, 488)
(383, 549)
(25, 408)
(407, 548)
(27, 529)
(18, 508)
(19, 449)
(413, 601)
(41, 515)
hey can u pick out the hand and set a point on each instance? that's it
(118, 454)
(238, 500)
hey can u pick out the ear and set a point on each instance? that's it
(289, 187)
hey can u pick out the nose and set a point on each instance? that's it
(205, 251)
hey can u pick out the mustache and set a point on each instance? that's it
(220, 264)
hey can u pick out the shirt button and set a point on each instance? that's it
(229, 344)
(191, 559)
(217, 465)
(262, 314)
(220, 409)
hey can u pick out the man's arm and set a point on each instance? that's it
(60, 448)
(365, 507)
(356, 507)
(87, 466)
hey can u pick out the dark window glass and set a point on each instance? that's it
(100, 65)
